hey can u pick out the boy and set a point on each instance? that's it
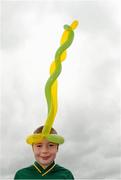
(45, 153)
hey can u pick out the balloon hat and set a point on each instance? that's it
(51, 88)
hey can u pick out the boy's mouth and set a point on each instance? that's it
(45, 158)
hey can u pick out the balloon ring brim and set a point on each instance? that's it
(37, 138)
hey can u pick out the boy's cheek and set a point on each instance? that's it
(36, 154)
(35, 151)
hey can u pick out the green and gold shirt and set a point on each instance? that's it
(35, 171)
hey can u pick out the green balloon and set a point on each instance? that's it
(53, 77)
(55, 138)
(58, 68)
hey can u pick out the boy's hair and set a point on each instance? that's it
(39, 130)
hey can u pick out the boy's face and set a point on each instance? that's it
(45, 152)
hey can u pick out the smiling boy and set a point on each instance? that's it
(44, 166)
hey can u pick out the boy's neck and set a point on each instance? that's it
(44, 166)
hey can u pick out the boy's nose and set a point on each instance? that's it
(44, 149)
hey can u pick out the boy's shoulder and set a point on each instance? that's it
(23, 171)
(63, 169)
(28, 168)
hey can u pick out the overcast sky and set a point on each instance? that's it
(89, 93)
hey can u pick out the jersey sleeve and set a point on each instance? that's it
(17, 176)
(70, 175)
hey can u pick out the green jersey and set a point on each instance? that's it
(36, 171)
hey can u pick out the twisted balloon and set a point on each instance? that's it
(55, 70)
(51, 89)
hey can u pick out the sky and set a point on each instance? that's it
(88, 87)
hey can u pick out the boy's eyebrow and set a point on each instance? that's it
(38, 144)
(52, 143)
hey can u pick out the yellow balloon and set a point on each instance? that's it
(74, 24)
(54, 90)
(54, 105)
(51, 117)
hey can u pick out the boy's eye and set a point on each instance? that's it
(51, 145)
(40, 145)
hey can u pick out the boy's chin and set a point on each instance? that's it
(45, 162)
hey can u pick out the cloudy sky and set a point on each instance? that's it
(89, 94)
